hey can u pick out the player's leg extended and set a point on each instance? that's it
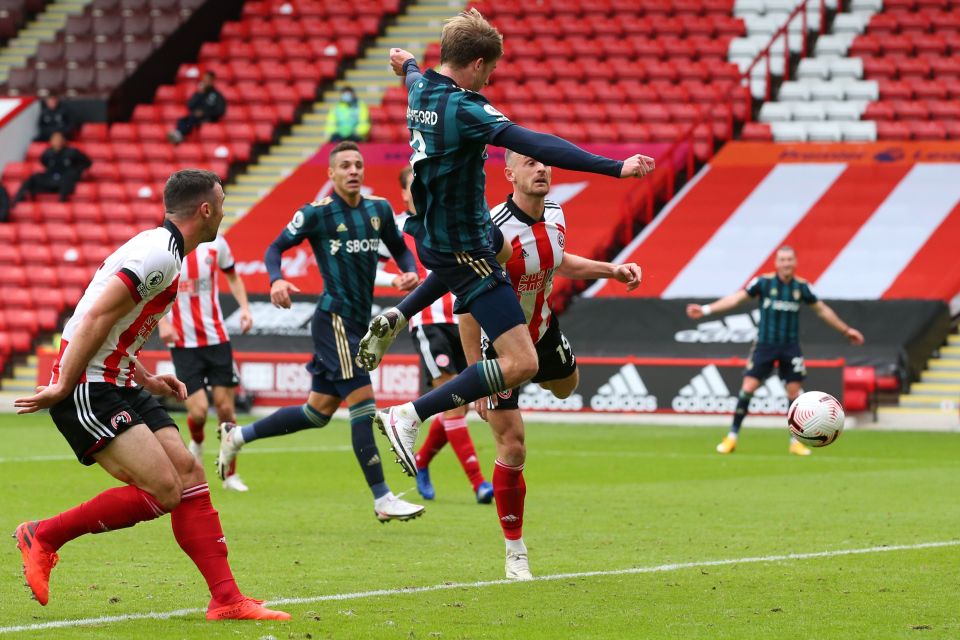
(499, 314)
(386, 505)
(197, 407)
(152, 488)
(747, 389)
(223, 403)
(509, 487)
(794, 389)
(197, 529)
(387, 325)
(234, 437)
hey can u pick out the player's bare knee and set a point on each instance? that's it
(167, 491)
(197, 417)
(189, 471)
(512, 452)
(516, 370)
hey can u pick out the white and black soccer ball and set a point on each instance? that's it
(815, 418)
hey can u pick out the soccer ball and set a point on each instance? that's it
(815, 418)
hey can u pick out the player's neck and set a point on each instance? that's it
(457, 75)
(785, 279)
(530, 205)
(352, 201)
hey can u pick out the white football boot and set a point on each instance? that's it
(518, 566)
(383, 330)
(196, 449)
(230, 446)
(401, 429)
(234, 483)
(391, 507)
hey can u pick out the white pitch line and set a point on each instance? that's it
(60, 624)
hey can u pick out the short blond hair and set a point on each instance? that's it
(468, 37)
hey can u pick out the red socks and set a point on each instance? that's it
(196, 526)
(116, 508)
(458, 435)
(509, 491)
(196, 429)
(434, 442)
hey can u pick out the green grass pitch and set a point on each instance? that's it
(600, 499)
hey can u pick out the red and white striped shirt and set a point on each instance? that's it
(197, 316)
(149, 264)
(441, 311)
(537, 254)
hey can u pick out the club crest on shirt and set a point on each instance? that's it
(122, 419)
(796, 294)
(375, 223)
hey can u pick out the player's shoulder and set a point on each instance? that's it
(317, 205)
(500, 214)
(552, 210)
(802, 281)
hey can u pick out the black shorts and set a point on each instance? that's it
(336, 340)
(467, 274)
(554, 355)
(201, 367)
(787, 357)
(97, 412)
(440, 350)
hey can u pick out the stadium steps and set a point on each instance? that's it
(24, 380)
(418, 26)
(938, 392)
(43, 28)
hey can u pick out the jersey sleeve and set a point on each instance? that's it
(753, 287)
(478, 120)
(807, 294)
(303, 223)
(149, 273)
(225, 259)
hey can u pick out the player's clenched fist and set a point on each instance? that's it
(637, 166)
(397, 58)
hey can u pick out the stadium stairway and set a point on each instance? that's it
(370, 77)
(23, 381)
(934, 401)
(43, 28)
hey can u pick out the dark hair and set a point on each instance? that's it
(209, 73)
(405, 174)
(468, 37)
(786, 249)
(187, 189)
(345, 145)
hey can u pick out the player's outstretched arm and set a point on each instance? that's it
(114, 302)
(557, 152)
(830, 316)
(280, 289)
(239, 291)
(579, 268)
(166, 385)
(726, 303)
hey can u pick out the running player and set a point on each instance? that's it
(199, 344)
(778, 336)
(107, 419)
(450, 125)
(533, 230)
(436, 338)
(344, 231)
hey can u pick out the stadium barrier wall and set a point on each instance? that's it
(18, 127)
(626, 385)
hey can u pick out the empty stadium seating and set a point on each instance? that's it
(14, 14)
(600, 71)
(266, 66)
(888, 75)
(98, 49)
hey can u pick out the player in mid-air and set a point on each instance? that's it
(778, 336)
(101, 399)
(344, 230)
(530, 234)
(450, 125)
(199, 344)
(436, 338)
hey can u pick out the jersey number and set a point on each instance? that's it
(419, 146)
(565, 351)
(799, 366)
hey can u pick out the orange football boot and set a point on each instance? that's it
(246, 609)
(37, 562)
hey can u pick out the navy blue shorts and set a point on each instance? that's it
(786, 357)
(480, 285)
(336, 340)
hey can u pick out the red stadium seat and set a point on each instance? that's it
(928, 130)
(757, 131)
(893, 131)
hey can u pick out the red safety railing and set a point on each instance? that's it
(660, 186)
